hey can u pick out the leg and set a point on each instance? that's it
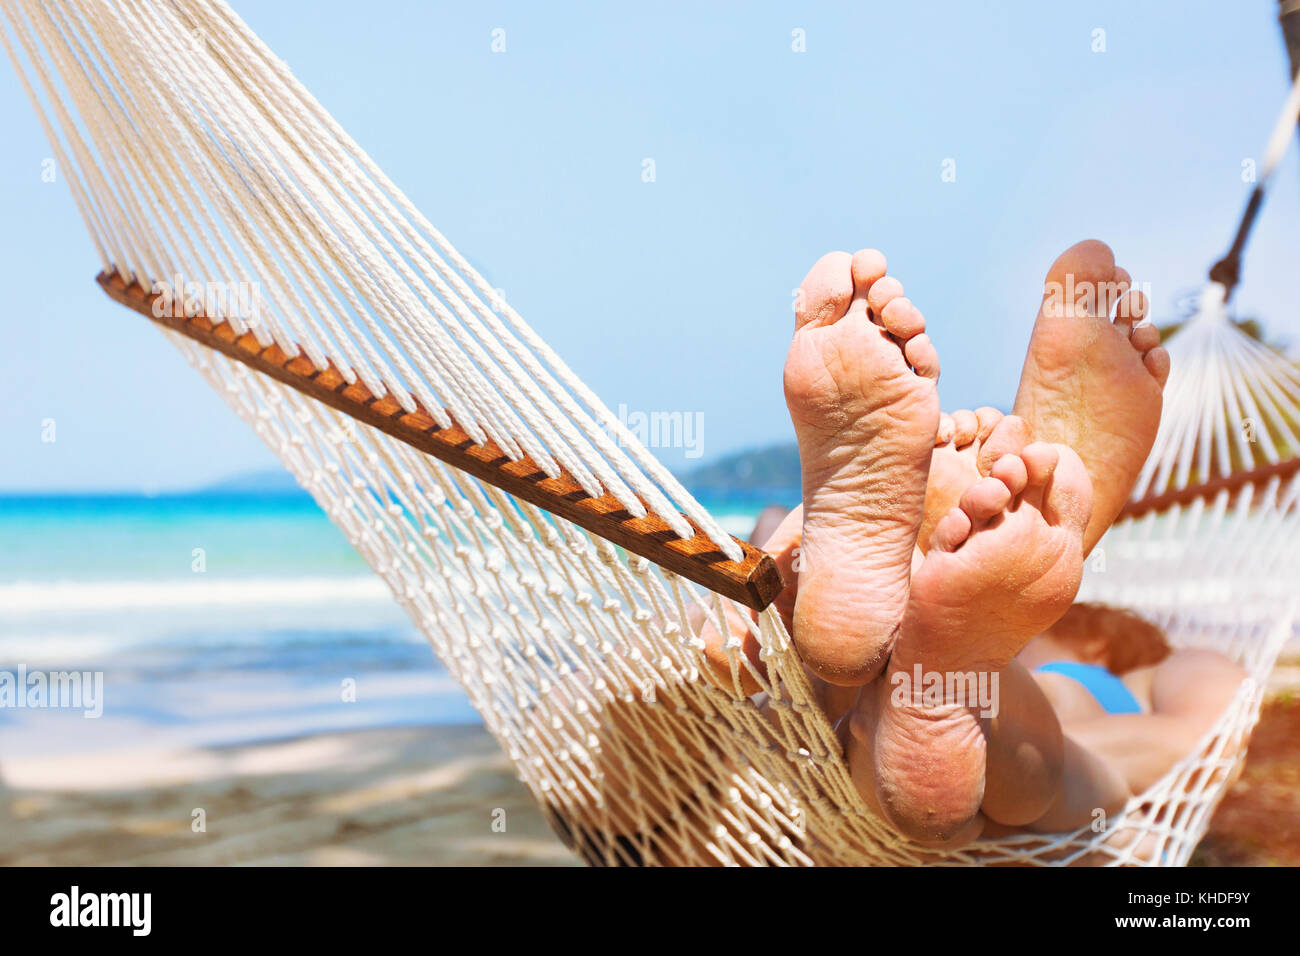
(1190, 692)
(1025, 756)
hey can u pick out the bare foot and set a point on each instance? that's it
(860, 385)
(1092, 383)
(962, 455)
(1002, 567)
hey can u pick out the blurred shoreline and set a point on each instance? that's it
(391, 796)
(429, 796)
(224, 692)
(254, 670)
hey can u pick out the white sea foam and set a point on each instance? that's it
(59, 647)
(223, 710)
(22, 598)
(739, 525)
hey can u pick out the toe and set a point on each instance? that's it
(825, 293)
(951, 531)
(988, 419)
(922, 356)
(1008, 437)
(1068, 500)
(867, 268)
(901, 318)
(965, 427)
(1076, 278)
(1090, 259)
(1145, 338)
(1157, 363)
(1131, 310)
(945, 431)
(1012, 472)
(882, 292)
(1117, 289)
(984, 499)
(1040, 460)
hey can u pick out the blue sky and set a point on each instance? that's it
(675, 295)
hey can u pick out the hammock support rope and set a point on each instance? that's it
(191, 150)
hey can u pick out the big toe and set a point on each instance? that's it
(1081, 278)
(1009, 435)
(1067, 492)
(825, 293)
(1089, 259)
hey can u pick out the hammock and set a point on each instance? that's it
(558, 571)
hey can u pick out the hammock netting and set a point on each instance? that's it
(193, 152)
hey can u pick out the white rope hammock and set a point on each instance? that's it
(192, 151)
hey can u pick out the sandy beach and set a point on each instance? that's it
(425, 795)
(428, 795)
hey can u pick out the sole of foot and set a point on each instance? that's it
(1003, 565)
(1094, 375)
(860, 386)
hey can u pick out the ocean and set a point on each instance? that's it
(213, 619)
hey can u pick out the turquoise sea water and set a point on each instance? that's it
(214, 618)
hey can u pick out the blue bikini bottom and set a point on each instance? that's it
(1110, 691)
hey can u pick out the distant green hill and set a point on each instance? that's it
(776, 467)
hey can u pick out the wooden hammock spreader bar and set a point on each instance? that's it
(1183, 496)
(754, 581)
